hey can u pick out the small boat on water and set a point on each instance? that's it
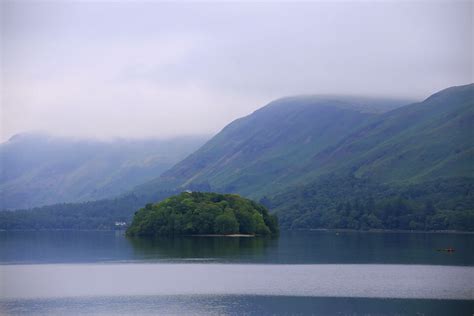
(447, 249)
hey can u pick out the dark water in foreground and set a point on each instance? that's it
(318, 273)
(303, 247)
(238, 305)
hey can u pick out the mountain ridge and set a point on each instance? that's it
(270, 135)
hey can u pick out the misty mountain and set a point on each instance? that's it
(257, 154)
(306, 156)
(38, 169)
(420, 142)
(332, 162)
(296, 140)
(422, 153)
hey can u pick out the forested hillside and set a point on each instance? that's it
(348, 202)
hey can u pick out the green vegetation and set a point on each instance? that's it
(260, 153)
(294, 141)
(352, 203)
(203, 213)
(100, 215)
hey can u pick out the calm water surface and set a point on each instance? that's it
(304, 247)
(320, 273)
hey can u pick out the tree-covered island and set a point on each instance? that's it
(199, 213)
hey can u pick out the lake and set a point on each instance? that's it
(301, 272)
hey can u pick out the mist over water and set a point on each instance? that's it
(366, 280)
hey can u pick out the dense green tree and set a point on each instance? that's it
(347, 202)
(246, 221)
(203, 213)
(226, 223)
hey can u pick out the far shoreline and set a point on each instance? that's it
(221, 235)
(347, 230)
(337, 230)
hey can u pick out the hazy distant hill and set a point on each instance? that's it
(336, 162)
(38, 169)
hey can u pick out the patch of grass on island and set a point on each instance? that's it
(199, 213)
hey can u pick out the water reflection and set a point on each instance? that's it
(236, 305)
(63, 246)
(294, 247)
(203, 248)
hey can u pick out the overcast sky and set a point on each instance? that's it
(151, 69)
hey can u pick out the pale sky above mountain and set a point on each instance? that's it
(156, 69)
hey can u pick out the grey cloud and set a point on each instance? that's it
(159, 69)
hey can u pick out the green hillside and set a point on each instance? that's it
(312, 160)
(424, 141)
(252, 155)
(414, 166)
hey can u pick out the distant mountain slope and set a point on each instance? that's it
(420, 142)
(398, 169)
(251, 154)
(38, 170)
